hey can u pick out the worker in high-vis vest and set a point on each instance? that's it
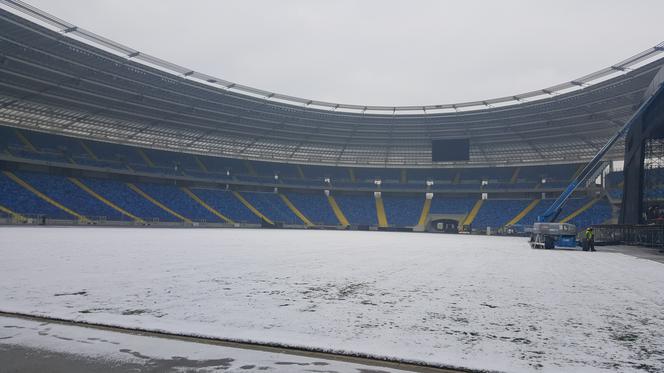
(590, 239)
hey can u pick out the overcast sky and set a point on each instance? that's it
(379, 52)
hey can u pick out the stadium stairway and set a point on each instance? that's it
(251, 207)
(380, 212)
(13, 214)
(145, 157)
(25, 141)
(425, 212)
(88, 150)
(46, 198)
(523, 213)
(157, 203)
(580, 210)
(337, 211)
(473, 213)
(201, 165)
(208, 207)
(515, 175)
(457, 178)
(295, 211)
(110, 204)
(300, 172)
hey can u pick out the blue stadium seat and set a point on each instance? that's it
(314, 206)
(22, 201)
(60, 189)
(402, 211)
(358, 208)
(226, 203)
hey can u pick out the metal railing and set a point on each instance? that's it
(642, 235)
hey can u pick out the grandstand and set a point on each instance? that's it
(206, 215)
(94, 132)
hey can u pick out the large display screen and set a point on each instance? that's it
(450, 150)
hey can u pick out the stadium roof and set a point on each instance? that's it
(58, 78)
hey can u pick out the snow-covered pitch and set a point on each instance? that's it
(469, 301)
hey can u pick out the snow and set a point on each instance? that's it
(455, 300)
(156, 354)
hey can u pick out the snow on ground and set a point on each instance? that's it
(65, 348)
(471, 301)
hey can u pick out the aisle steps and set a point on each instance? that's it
(296, 211)
(46, 198)
(252, 208)
(112, 205)
(157, 203)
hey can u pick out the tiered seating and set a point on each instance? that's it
(321, 172)
(60, 189)
(175, 199)
(442, 205)
(561, 173)
(45, 143)
(39, 156)
(54, 148)
(358, 208)
(439, 175)
(272, 206)
(614, 179)
(22, 201)
(519, 185)
(115, 152)
(227, 204)
(164, 202)
(496, 212)
(598, 213)
(221, 165)
(314, 206)
(492, 174)
(371, 174)
(402, 211)
(8, 138)
(118, 193)
(269, 169)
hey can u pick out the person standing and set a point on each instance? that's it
(590, 239)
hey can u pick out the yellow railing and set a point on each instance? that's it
(579, 210)
(425, 212)
(91, 192)
(380, 212)
(13, 214)
(524, 212)
(337, 211)
(252, 208)
(46, 198)
(296, 211)
(157, 203)
(208, 207)
(473, 213)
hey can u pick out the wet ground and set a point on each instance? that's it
(28, 345)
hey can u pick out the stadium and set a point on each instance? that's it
(142, 166)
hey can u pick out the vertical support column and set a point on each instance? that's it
(380, 210)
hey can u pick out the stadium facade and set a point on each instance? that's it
(94, 131)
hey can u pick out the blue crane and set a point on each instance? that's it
(552, 213)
